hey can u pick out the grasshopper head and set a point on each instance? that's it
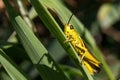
(68, 28)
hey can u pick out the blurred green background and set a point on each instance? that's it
(100, 17)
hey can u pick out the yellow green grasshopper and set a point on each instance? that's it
(91, 63)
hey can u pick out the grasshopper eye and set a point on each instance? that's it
(71, 27)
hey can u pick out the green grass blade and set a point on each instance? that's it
(54, 28)
(32, 45)
(61, 11)
(11, 68)
(71, 70)
(35, 50)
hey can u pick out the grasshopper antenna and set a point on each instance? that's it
(70, 19)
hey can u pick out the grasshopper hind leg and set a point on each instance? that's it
(81, 52)
(82, 57)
